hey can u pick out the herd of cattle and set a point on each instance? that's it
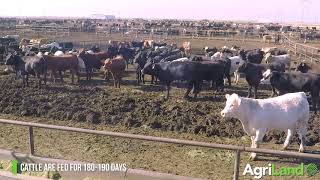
(170, 63)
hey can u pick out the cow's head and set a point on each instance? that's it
(149, 68)
(242, 54)
(303, 67)
(12, 59)
(232, 106)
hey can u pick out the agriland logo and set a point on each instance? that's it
(272, 170)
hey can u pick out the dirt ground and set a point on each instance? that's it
(139, 109)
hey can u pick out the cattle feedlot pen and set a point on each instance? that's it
(237, 149)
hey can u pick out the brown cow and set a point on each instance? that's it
(148, 44)
(186, 47)
(62, 63)
(116, 67)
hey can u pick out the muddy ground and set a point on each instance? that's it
(133, 105)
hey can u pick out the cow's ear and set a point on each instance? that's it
(227, 96)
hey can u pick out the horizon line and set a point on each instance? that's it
(155, 18)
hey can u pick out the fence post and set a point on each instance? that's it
(305, 55)
(236, 165)
(31, 142)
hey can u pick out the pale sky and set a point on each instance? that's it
(267, 10)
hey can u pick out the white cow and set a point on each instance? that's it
(284, 59)
(58, 53)
(90, 52)
(236, 61)
(289, 112)
(40, 54)
(220, 56)
(267, 38)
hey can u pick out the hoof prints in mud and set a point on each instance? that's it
(127, 108)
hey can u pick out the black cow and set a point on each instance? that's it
(173, 57)
(253, 56)
(27, 65)
(140, 59)
(253, 73)
(137, 44)
(210, 51)
(127, 53)
(278, 52)
(305, 67)
(159, 44)
(192, 72)
(92, 62)
(296, 82)
(276, 66)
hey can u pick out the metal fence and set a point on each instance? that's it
(236, 149)
(302, 51)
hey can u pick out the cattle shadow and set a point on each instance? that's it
(92, 82)
(59, 89)
(127, 82)
(152, 88)
(206, 98)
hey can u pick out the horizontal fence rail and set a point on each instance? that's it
(235, 148)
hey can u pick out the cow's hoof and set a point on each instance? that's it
(301, 150)
(253, 157)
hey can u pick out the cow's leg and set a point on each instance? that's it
(255, 143)
(168, 89)
(249, 91)
(119, 80)
(236, 77)
(61, 77)
(142, 76)
(189, 87)
(72, 76)
(52, 77)
(27, 80)
(106, 75)
(23, 81)
(39, 79)
(314, 98)
(196, 89)
(229, 79)
(273, 92)
(45, 78)
(287, 141)
(255, 92)
(138, 77)
(87, 74)
(78, 75)
(302, 134)
(152, 79)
